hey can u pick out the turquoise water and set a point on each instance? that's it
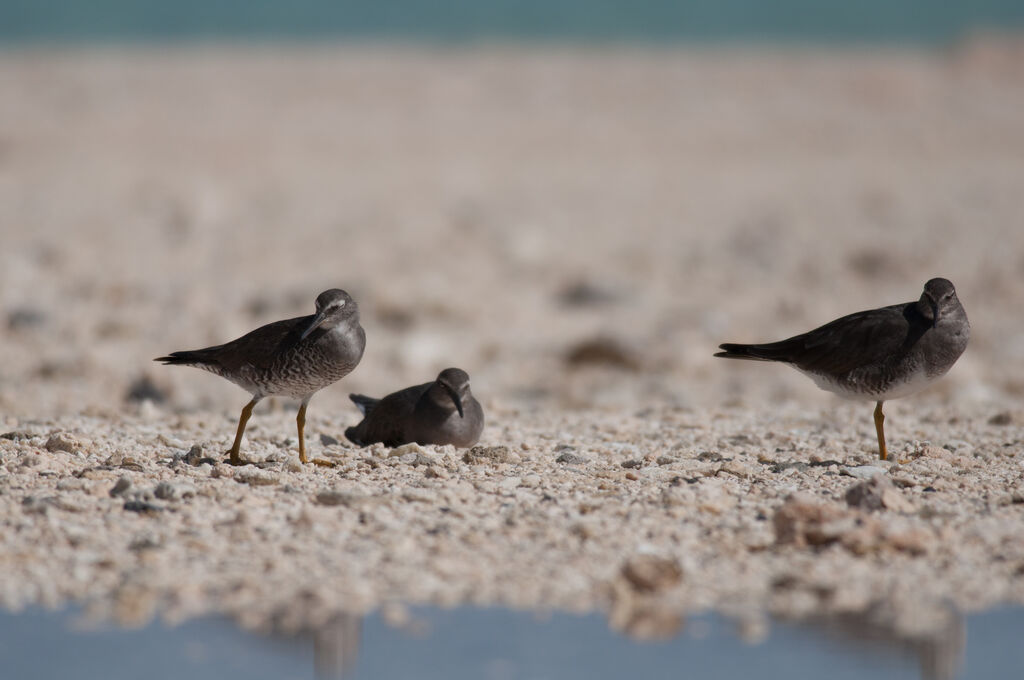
(462, 20)
(497, 644)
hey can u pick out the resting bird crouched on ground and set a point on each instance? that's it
(293, 358)
(439, 412)
(879, 354)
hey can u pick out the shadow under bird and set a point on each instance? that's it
(293, 358)
(879, 354)
(440, 412)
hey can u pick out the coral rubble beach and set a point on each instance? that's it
(578, 229)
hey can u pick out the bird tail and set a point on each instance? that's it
(364, 403)
(352, 434)
(185, 358)
(752, 352)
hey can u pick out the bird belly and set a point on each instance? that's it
(876, 387)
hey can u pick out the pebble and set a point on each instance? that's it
(63, 441)
(405, 450)
(164, 491)
(338, 497)
(122, 486)
(737, 469)
(486, 454)
(877, 493)
(256, 477)
(649, 573)
(569, 458)
(864, 471)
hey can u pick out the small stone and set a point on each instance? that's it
(144, 389)
(337, 497)
(650, 573)
(864, 471)
(893, 500)
(129, 463)
(569, 458)
(142, 507)
(164, 491)
(665, 460)
(803, 521)
(404, 449)
(602, 351)
(632, 476)
(510, 483)
(37, 505)
(434, 472)
(486, 454)
(328, 440)
(22, 318)
(172, 442)
(713, 498)
(736, 468)
(121, 487)
(710, 456)
(877, 493)
(256, 478)
(195, 456)
(633, 464)
(916, 541)
(1003, 418)
(62, 441)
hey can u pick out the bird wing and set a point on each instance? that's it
(259, 348)
(386, 420)
(839, 346)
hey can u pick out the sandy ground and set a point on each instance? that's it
(494, 209)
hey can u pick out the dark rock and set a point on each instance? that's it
(24, 318)
(144, 389)
(121, 487)
(601, 351)
(142, 507)
(1003, 418)
(164, 491)
(586, 294)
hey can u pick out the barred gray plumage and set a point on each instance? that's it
(879, 354)
(294, 358)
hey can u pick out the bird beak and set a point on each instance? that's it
(317, 320)
(455, 397)
(935, 312)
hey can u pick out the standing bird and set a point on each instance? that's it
(439, 412)
(878, 354)
(294, 358)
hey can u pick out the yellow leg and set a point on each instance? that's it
(880, 429)
(246, 413)
(300, 420)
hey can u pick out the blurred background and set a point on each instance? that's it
(575, 201)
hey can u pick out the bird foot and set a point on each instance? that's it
(236, 460)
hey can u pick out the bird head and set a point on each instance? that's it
(455, 384)
(333, 307)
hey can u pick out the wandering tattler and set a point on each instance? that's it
(879, 354)
(439, 412)
(294, 358)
